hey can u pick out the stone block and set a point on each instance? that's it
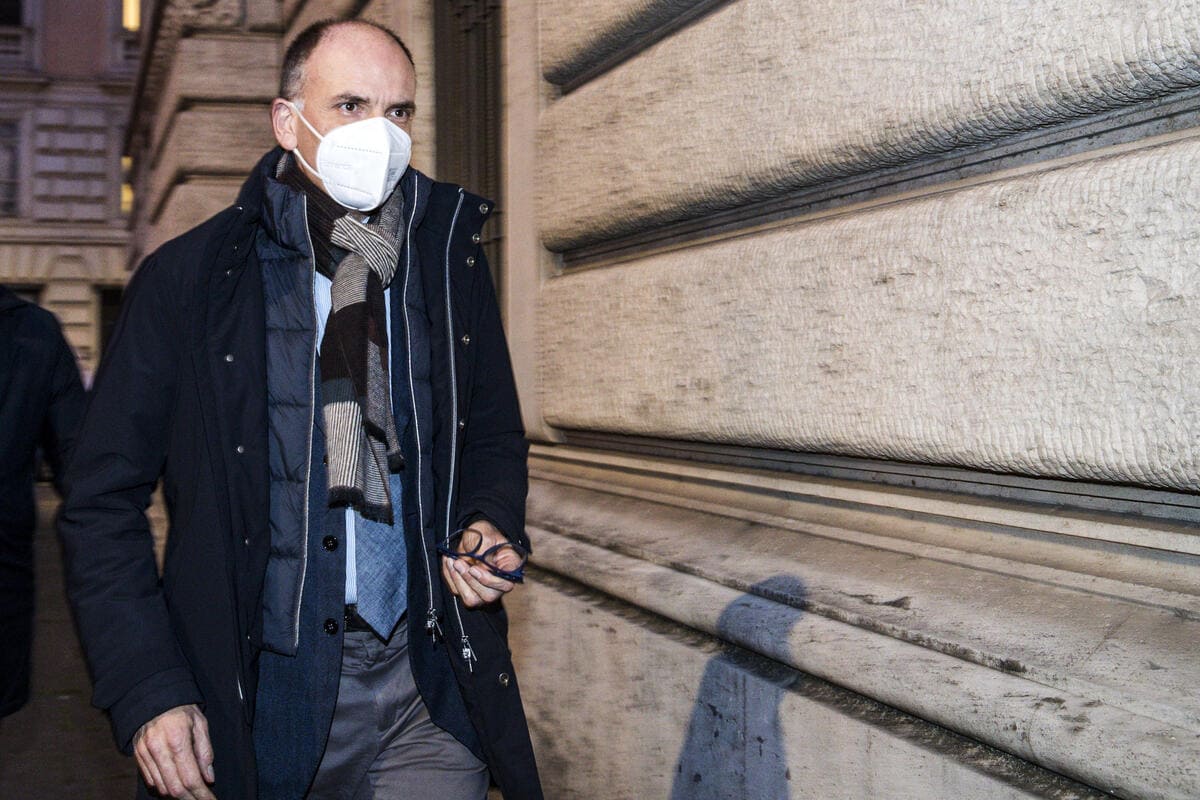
(47, 163)
(52, 116)
(766, 96)
(1046, 325)
(219, 67)
(222, 138)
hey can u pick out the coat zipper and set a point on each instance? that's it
(468, 655)
(312, 412)
(432, 626)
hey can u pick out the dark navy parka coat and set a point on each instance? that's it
(169, 402)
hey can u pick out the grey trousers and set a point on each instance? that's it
(382, 743)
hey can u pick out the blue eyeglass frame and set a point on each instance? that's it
(446, 548)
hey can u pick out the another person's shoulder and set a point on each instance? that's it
(33, 320)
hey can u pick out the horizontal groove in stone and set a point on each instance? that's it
(1066, 730)
(978, 535)
(1041, 325)
(1145, 124)
(1135, 504)
(763, 97)
(1138, 576)
(583, 40)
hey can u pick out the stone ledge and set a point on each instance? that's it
(672, 712)
(1051, 672)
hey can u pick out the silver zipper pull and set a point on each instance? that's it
(468, 654)
(432, 626)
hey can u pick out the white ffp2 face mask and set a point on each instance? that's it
(360, 163)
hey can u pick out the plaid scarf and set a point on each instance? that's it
(361, 443)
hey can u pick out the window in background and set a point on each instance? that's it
(131, 15)
(126, 185)
(10, 146)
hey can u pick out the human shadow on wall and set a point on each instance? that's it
(734, 748)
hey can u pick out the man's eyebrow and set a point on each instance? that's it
(346, 97)
(405, 105)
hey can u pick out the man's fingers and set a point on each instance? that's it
(168, 783)
(465, 591)
(202, 747)
(188, 772)
(493, 582)
(149, 769)
(184, 749)
(447, 575)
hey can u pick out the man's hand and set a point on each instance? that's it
(469, 579)
(174, 754)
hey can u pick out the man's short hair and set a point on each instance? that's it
(291, 76)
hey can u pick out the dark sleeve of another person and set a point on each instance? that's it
(64, 410)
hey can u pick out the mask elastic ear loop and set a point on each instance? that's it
(296, 109)
(296, 151)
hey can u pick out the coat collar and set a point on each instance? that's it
(278, 207)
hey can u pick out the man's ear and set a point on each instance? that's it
(283, 123)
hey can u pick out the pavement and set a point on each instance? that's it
(58, 746)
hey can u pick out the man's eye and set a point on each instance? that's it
(349, 107)
(402, 113)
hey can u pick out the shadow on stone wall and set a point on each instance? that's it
(734, 746)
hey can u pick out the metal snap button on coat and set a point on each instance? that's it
(470, 261)
(503, 679)
(476, 238)
(330, 543)
(331, 626)
(462, 423)
(466, 338)
(240, 449)
(229, 358)
(483, 208)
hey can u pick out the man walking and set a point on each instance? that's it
(41, 405)
(320, 378)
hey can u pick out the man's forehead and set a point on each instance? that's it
(364, 70)
(351, 43)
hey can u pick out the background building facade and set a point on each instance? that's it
(66, 70)
(857, 345)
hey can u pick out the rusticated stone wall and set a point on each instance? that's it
(1037, 325)
(868, 243)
